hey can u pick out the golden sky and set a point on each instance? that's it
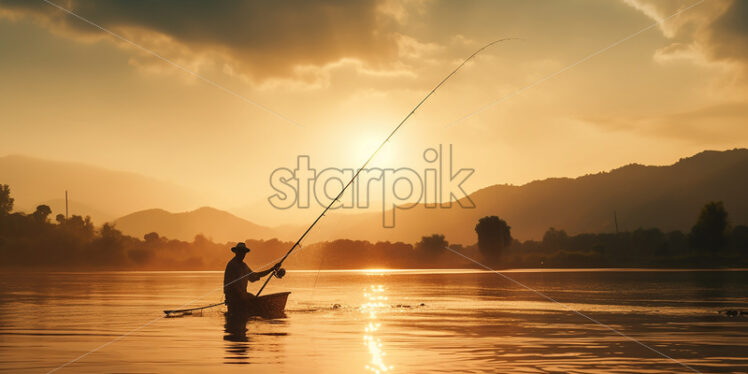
(346, 72)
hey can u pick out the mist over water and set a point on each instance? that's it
(373, 321)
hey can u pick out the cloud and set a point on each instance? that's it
(258, 39)
(716, 124)
(729, 33)
(713, 32)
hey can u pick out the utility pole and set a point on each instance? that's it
(66, 204)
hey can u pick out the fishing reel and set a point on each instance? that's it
(280, 273)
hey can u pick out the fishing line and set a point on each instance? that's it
(337, 198)
(319, 270)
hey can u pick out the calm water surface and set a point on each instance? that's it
(400, 322)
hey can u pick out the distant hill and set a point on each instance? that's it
(101, 193)
(667, 197)
(213, 223)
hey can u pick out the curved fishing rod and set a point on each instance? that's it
(337, 198)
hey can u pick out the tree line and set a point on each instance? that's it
(711, 242)
(37, 241)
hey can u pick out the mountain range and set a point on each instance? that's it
(632, 196)
(218, 225)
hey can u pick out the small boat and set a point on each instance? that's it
(269, 306)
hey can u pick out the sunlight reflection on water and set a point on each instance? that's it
(375, 297)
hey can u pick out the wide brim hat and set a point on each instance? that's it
(240, 247)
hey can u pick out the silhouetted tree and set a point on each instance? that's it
(6, 202)
(432, 245)
(711, 229)
(201, 240)
(151, 237)
(41, 213)
(60, 218)
(493, 236)
(648, 242)
(555, 239)
(678, 242)
(109, 247)
(79, 226)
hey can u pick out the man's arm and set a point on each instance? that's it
(255, 276)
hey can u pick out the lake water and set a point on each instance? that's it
(400, 322)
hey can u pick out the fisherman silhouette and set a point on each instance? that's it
(236, 278)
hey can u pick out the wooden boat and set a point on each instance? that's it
(268, 306)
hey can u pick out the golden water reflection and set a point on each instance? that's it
(375, 302)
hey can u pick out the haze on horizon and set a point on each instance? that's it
(348, 72)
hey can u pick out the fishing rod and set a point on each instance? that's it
(337, 198)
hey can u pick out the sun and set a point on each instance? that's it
(366, 144)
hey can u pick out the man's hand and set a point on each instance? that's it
(277, 266)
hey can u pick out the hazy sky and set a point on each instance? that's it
(347, 72)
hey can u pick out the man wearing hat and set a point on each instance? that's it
(235, 280)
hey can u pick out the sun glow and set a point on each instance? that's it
(365, 143)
